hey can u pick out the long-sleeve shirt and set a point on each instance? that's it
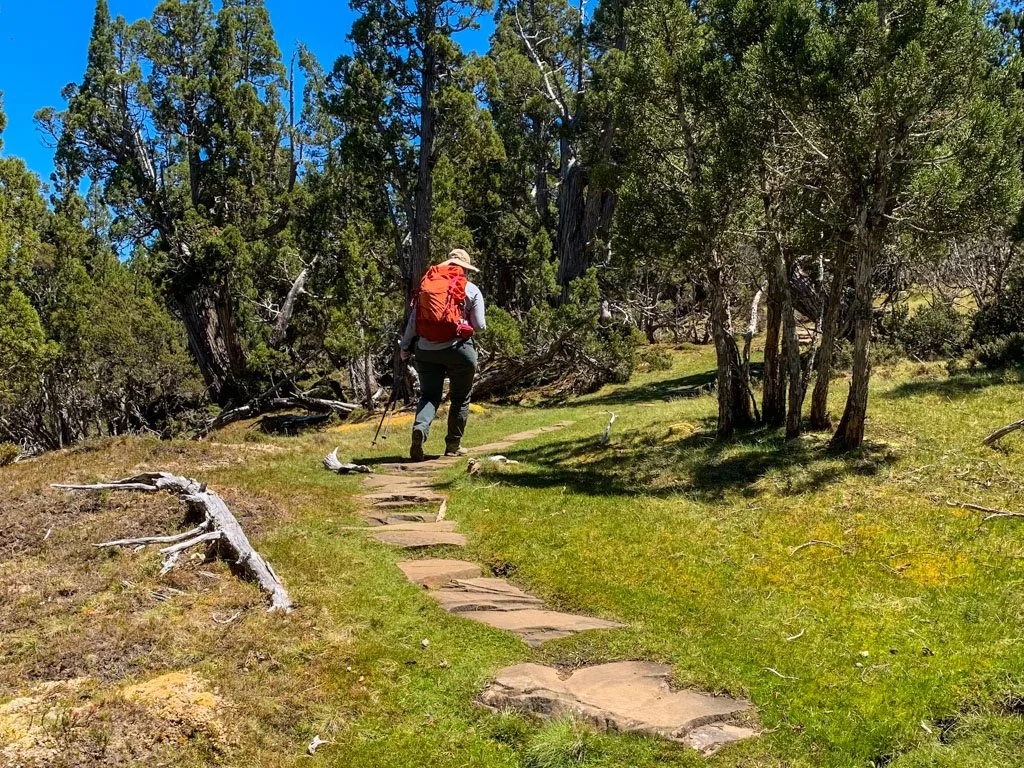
(473, 311)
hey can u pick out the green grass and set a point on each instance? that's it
(901, 645)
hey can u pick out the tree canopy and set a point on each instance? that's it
(625, 172)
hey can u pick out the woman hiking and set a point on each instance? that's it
(447, 310)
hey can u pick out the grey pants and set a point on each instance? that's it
(458, 364)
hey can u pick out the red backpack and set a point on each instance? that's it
(439, 303)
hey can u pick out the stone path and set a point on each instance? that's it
(625, 696)
(629, 696)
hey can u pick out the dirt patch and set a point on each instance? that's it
(29, 520)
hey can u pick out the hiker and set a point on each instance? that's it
(447, 310)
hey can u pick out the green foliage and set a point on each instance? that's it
(652, 358)
(1002, 351)
(1002, 316)
(9, 453)
(935, 330)
(503, 336)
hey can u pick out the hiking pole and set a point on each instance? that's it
(402, 365)
(387, 408)
(391, 407)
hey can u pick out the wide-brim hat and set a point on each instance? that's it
(459, 258)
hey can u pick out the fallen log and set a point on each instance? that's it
(1002, 432)
(261, 405)
(218, 527)
(289, 424)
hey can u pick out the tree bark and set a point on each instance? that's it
(423, 204)
(773, 399)
(208, 317)
(288, 307)
(820, 419)
(733, 401)
(850, 433)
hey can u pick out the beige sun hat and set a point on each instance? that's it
(459, 258)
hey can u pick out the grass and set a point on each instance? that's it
(899, 645)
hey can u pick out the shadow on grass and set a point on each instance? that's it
(681, 388)
(671, 389)
(658, 463)
(952, 387)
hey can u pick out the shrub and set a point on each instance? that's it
(503, 336)
(1002, 352)
(999, 318)
(935, 331)
(654, 358)
(9, 453)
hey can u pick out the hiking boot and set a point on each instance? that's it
(416, 451)
(455, 451)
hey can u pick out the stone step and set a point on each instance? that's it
(417, 539)
(443, 526)
(536, 625)
(397, 518)
(397, 483)
(630, 696)
(435, 572)
(467, 595)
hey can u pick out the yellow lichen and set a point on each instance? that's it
(182, 698)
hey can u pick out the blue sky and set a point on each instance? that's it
(43, 45)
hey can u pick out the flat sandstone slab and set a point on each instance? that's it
(436, 572)
(445, 526)
(467, 595)
(536, 626)
(417, 539)
(631, 696)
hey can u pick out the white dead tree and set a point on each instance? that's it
(217, 528)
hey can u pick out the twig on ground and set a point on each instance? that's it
(1002, 432)
(229, 620)
(991, 512)
(153, 539)
(779, 674)
(797, 636)
(814, 543)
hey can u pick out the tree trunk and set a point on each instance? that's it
(423, 204)
(820, 418)
(213, 339)
(571, 242)
(277, 336)
(850, 434)
(362, 375)
(773, 402)
(733, 400)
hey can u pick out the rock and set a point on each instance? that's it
(536, 626)
(418, 539)
(630, 696)
(467, 595)
(401, 517)
(435, 572)
(445, 526)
